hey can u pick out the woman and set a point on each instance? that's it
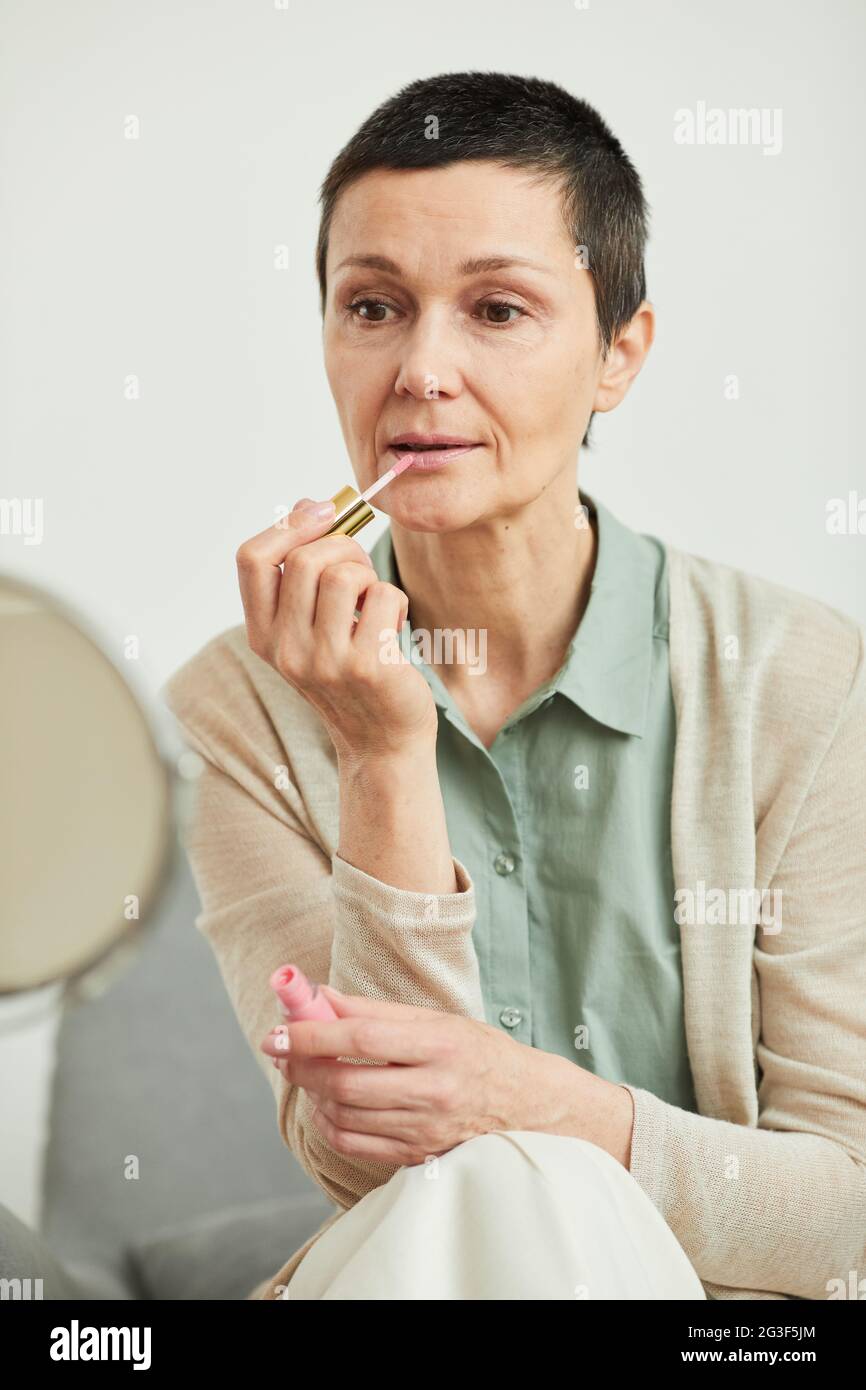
(593, 906)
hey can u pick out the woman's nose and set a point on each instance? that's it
(431, 356)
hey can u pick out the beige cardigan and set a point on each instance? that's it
(765, 1188)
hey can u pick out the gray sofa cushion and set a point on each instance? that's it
(225, 1254)
(158, 1069)
(31, 1271)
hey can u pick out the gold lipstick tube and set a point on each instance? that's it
(354, 519)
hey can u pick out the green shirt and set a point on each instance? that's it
(564, 826)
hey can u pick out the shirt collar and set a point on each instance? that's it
(608, 664)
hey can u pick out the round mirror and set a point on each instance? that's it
(87, 809)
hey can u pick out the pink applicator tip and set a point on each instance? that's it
(399, 467)
(402, 464)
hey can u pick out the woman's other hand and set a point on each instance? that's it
(445, 1079)
(301, 619)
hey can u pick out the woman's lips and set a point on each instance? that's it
(430, 458)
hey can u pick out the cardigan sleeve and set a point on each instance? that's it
(782, 1206)
(270, 894)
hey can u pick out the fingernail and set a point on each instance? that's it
(303, 504)
(309, 508)
(308, 512)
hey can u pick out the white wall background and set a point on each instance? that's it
(155, 257)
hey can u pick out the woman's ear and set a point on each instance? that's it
(625, 359)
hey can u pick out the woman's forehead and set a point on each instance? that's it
(468, 213)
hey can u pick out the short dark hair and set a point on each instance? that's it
(524, 123)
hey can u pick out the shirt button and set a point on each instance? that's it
(504, 864)
(509, 1018)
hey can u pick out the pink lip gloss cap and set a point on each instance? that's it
(299, 998)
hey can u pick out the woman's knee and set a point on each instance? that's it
(587, 1172)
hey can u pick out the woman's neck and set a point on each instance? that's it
(522, 581)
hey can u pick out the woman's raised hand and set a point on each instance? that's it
(301, 619)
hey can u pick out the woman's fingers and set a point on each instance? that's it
(389, 1040)
(301, 589)
(386, 609)
(340, 589)
(362, 1006)
(258, 561)
(299, 592)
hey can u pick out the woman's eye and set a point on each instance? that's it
(374, 304)
(375, 311)
(501, 307)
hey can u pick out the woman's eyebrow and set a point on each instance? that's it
(475, 266)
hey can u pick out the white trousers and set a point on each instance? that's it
(508, 1215)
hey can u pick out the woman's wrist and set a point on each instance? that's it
(585, 1106)
(373, 763)
(392, 819)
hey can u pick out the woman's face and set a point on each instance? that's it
(506, 356)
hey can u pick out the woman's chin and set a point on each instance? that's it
(429, 516)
